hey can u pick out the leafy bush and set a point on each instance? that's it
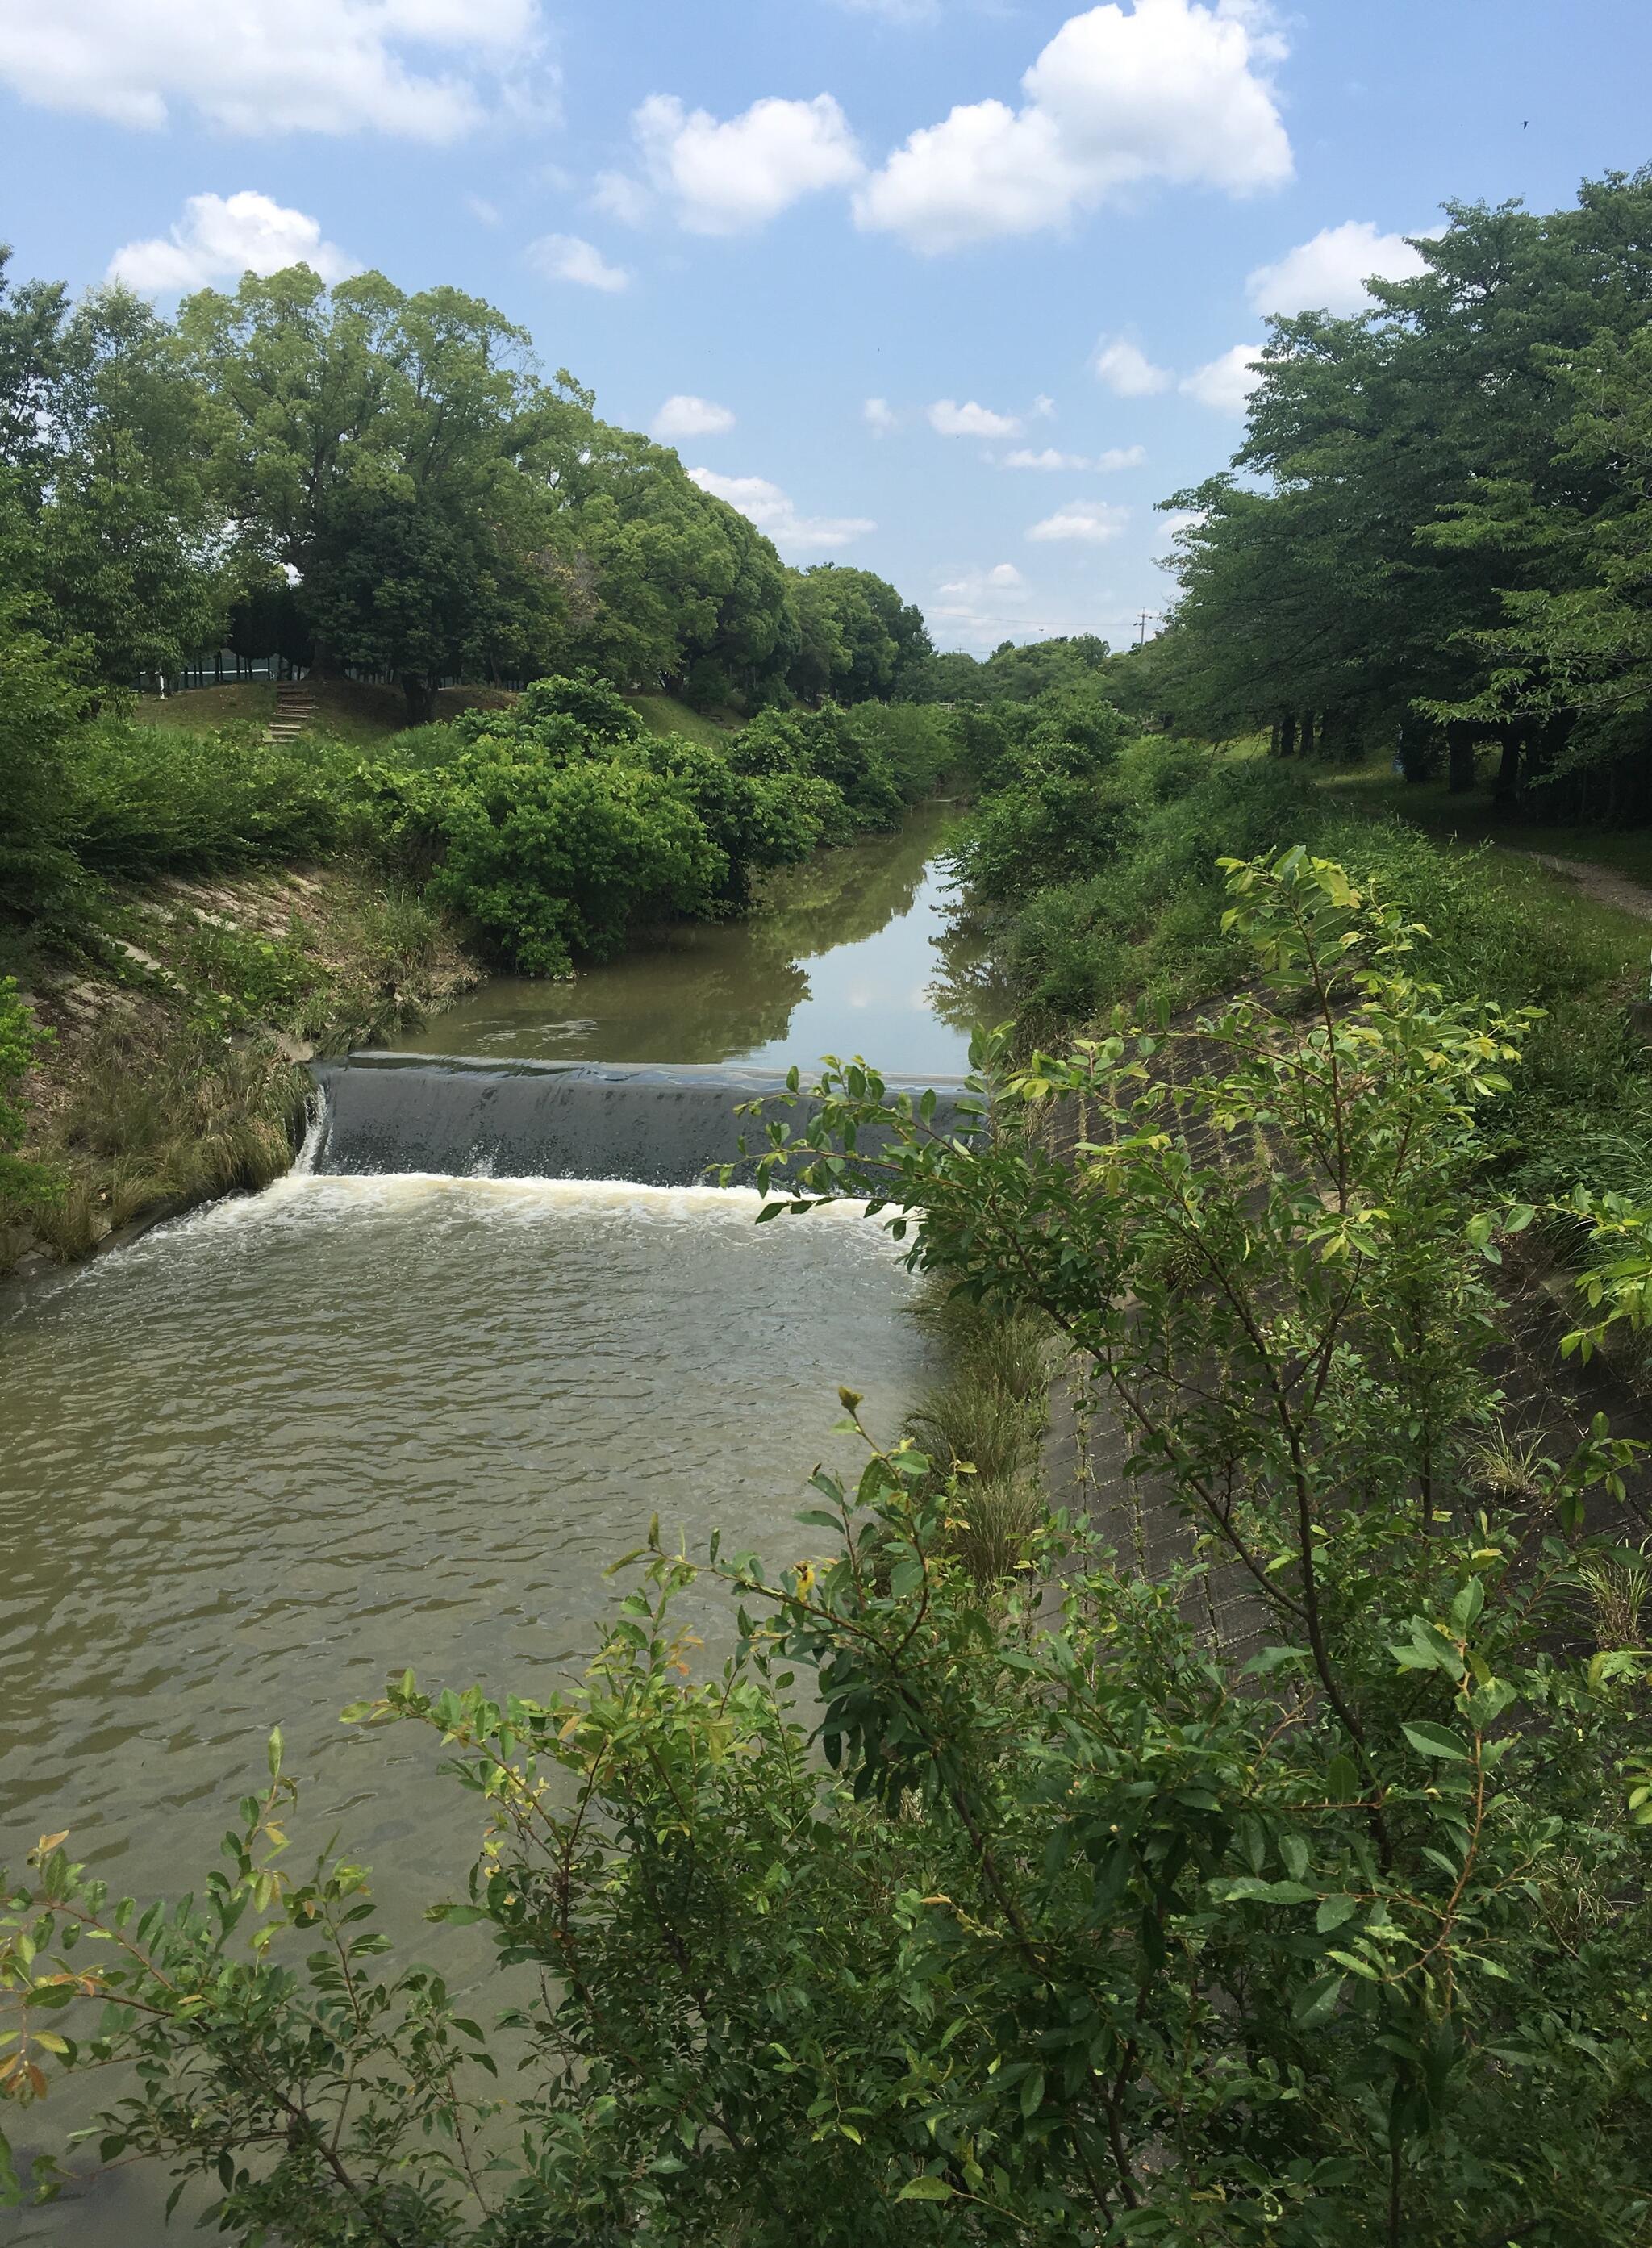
(556, 823)
(554, 861)
(21, 1038)
(147, 800)
(41, 703)
(1085, 1929)
(1149, 912)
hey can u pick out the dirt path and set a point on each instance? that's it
(1605, 886)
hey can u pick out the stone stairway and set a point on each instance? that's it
(295, 707)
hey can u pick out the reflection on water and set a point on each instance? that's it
(853, 952)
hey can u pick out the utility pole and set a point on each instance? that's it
(1147, 617)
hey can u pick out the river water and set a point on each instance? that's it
(292, 1441)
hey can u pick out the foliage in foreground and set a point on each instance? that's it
(1085, 1930)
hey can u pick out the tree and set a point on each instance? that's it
(1419, 484)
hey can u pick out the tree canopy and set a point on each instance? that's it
(1435, 517)
(387, 481)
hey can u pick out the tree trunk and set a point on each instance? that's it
(1287, 735)
(1304, 739)
(1459, 745)
(1273, 740)
(419, 689)
(1506, 792)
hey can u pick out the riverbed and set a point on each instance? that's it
(297, 1440)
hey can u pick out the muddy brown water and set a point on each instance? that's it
(295, 1441)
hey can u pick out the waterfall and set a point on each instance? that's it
(315, 1131)
(379, 1113)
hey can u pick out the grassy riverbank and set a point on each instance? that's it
(178, 1026)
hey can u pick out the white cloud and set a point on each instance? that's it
(1173, 90)
(1025, 457)
(1043, 407)
(772, 510)
(221, 237)
(977, 607)
(948, 418)
(622, 197)
(1174, 520)
(1225, 384)
(1116, 457)
(1329, 273)
(1092, 521)
(565, 258)
(683, 417)
(427, 69)
(479, 207)
(729, 178)
(1127, 371)
(879, 416)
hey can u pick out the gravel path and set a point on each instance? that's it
(1606, 887)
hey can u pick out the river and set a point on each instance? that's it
(296, 1440)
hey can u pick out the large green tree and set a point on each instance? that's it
(1407, 477)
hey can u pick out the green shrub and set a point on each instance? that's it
(147, 800)
(41, 703)
(22, 1184)
(553, 863)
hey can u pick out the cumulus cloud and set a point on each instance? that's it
(1127, 371)
(948, 418)
(1093, 522)
(1174, 521)
(221, 237)
(566, 257)
(685, 416)
(772, 511)
(1025, 457)
(619, 196)
(1172, 90)
(879, 416)
(730, 177)
(976, 608)
(427, 69)
(1225, 384)
(1116, 457)
(479, 207)
(1329, 273)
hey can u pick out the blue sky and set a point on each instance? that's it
(1040, 239)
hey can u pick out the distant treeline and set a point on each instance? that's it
(359, 476)
(1439, 531)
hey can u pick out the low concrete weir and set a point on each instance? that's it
(462, 1117)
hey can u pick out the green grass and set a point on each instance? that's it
(348, 709)
(663, 714)
(199, 709)
(1473, 817)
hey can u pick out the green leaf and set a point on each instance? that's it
(1032, 2092)
(1246, 1888)
(1435, 1741)
(926, 2188)
(1334, 1910)
(1317, 2003)
(275, 1752)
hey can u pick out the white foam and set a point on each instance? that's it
(306, 1191)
